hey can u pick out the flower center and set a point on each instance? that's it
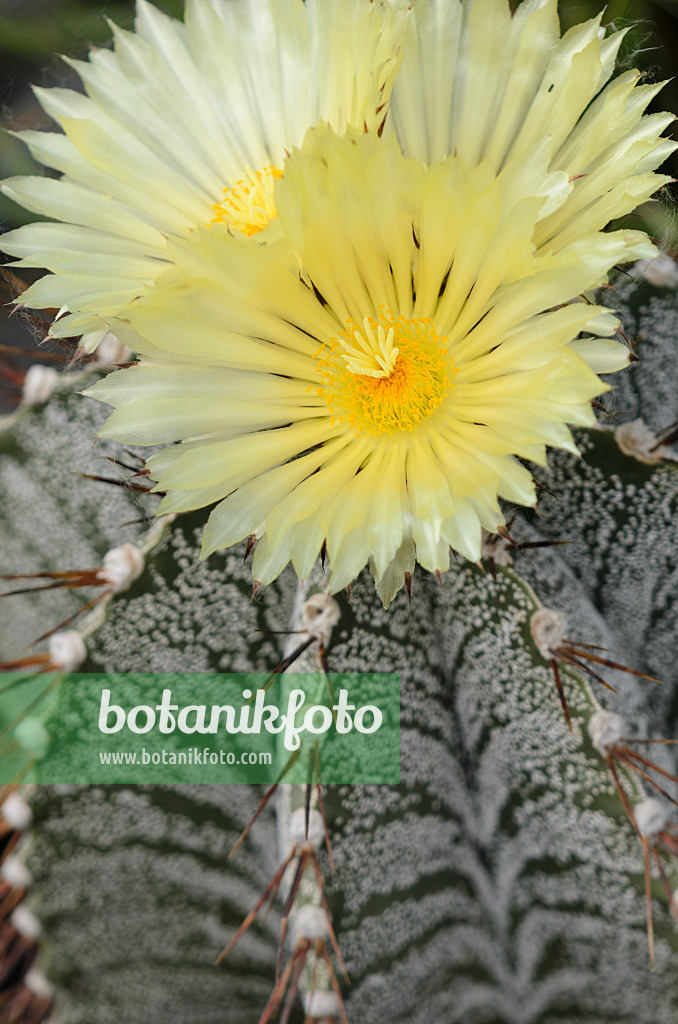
(248, 206)
(385, 375)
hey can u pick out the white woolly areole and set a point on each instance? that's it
(16, 812)
(32, 735)
(39, 384)
(67, 650)
(650, 817)
(495, 547)
(637, 440)
(38, 983)
(662, 272)
(122, 566)
(320, 1003)
(25, 922)
(320, 615)
(548, 631)
(316, 828)
(606, 730)
(15, 873)
(309, 922)
(111, 351)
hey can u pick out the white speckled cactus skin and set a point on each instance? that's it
(500, 883)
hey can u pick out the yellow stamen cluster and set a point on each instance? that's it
(385, 375)
(248, 206)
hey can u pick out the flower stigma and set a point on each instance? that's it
(248, 206)
(385, 375)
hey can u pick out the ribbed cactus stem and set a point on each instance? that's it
(25, 995)
(315, 612)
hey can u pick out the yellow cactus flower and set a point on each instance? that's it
(370, 381)
(183, 125)
(496, 87)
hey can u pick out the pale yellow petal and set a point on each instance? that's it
(238, 515)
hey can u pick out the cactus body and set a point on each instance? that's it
(500, 882)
